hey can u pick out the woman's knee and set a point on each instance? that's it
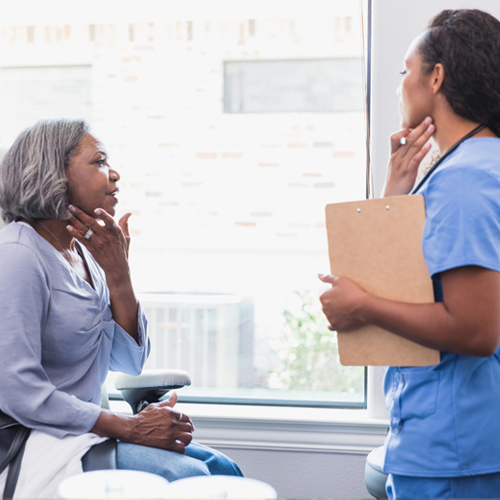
(168, 464)
(217, 462)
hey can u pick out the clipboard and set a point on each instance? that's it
(378, 245)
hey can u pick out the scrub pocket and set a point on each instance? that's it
(419, 394)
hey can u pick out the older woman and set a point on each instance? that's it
(69, 313)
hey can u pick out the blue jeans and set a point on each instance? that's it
(199, 460)
(483, 486)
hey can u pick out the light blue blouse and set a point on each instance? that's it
(58, 338)
(445, 419)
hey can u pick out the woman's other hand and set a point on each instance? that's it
(160, 426)
(405, 159)
(157, 426)
(342, 303)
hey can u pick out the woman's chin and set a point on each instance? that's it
(110, 209)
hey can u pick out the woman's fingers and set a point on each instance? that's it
(185, 422)
(79, 221)
(406, 158)
(159, 426)
(419, 156)
(185, 437)
(395, 138)
(328, 278)
(178, 447)
(412, 135)
(80, 224)
(185, 427)
(80, 231)
(79, 216)
(417, 142)
(109, 222)
(123, 223)
(171, 400)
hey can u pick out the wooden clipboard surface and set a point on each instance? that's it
(378, 244)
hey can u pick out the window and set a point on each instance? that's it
(231, 131)
(307, 86)
(28, 93)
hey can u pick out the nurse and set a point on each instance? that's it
(444, 438)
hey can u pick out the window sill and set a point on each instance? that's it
(320, 430)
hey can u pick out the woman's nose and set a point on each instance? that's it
(398, 91)
(114, 176)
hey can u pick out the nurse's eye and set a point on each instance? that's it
(402, 72)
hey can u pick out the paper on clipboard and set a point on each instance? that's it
(378, 244)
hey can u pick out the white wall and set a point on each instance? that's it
(305, 475)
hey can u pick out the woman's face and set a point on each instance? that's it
(415, 94)
(91, 180)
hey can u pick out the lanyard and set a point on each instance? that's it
(448, 153)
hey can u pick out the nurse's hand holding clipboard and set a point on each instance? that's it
(341, 305)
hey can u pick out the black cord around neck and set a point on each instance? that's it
(448, 153)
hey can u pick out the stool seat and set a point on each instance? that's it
(220, 487)
(375, 477)
(113, 484)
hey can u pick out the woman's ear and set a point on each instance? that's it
(436, 78)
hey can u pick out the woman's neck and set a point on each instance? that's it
(55, 232)
(450, 128)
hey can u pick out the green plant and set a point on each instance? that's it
(308, 351)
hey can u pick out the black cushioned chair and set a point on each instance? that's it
(139, 391)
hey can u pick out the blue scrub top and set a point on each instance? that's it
(445, 419)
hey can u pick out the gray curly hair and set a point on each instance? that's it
(33, 182)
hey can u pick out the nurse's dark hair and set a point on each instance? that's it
(33, 182)
(467, 43)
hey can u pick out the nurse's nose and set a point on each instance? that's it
(398, 91)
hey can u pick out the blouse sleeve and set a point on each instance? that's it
(462, 225)
(127, 355)
(26, 393)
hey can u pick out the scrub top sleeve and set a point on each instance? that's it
(127, 355)
(26, 393)
(462, 225)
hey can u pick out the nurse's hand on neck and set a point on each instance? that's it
(405, 159)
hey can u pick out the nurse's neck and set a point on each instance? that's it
(450, 128)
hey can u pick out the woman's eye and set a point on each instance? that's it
(402, 72)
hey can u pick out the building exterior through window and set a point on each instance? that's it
(230, 134)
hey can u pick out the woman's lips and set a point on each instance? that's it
(113, 195)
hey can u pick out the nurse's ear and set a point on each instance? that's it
(436, 78)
